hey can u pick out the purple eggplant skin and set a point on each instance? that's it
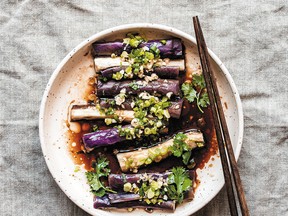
(104, 203)
(105, 138)
(107, 48)
(166, 72)
(116, 181)
(108, 72)
(171, 49)
(174, 110)
(189, 195)
(123, 197)
(161, 86)
(101, 138)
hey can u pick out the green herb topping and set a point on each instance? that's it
(134, 85)
(154, 190)
(150, 115)
(141, 59)
(100, 170)
(178, 183)
(196, 90)
(181, 148)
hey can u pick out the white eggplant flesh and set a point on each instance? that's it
(89, 112)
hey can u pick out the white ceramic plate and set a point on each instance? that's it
(69, 82)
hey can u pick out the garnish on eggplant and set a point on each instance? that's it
(91, 112)
(174, 110)
(164, 72)
(102, 63)
(132, 160)
(148, 190)
(160, 86)
(118, 180)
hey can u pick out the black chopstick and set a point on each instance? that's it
(221, 128)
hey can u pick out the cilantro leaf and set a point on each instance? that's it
(186, 156)
(189, 92)
(101, 167)
(187, 183)
(186, 88)
(178, 183)
(100, 192)
(180, 147)
(93, 177)
(93, 181)
(198, 81)
(194, 91)
(192, 95)
(178, 144)
(204, 100)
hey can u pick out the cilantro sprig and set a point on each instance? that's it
(180, 147)
(196, 91)
(178, 183)
(93, 177)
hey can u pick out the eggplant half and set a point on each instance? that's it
(102, 63)
(172, 48)
(106, 138)
(132, 160)
(90, 112)
(164, 72)
(105, 203)
(160, 86)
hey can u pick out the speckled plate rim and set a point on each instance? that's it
(106, 32)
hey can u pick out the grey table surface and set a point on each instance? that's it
(250, 37)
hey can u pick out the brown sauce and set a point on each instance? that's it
(75, 147)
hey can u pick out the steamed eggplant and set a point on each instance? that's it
(160, 86)
(123, 197)
(90, 112)
(171, 49)
(116, 181)
(174, 109)
(105, 203)
(102, 63)
(101, 138)
(106, 137)
(132, 160)
(165, 72)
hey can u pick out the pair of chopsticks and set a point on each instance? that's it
(221, 128)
